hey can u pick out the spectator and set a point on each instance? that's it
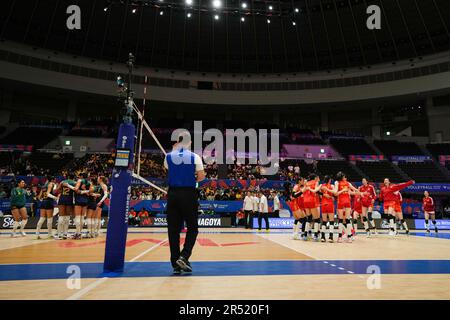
(132, 221)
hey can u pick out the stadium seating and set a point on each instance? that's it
(35, 136)
(331, 167)
(50, 161)
(423, 171)
(396, 148)
(378, 170)
(355, 146)
(439, 149)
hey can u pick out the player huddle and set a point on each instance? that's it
(312, 200)
(81, 198)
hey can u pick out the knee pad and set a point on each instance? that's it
(426, 221)
(317, 220)
(434, 222)
(341, 220)
(347, 221)
(402, 221)
(296, 221)
(309, 219)
(369, 214)
(365, 219)
(355, 221)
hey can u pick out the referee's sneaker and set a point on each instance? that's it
(185, 169)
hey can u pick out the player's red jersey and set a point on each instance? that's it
(368, 195)
(293, 203)
(327, 203)
(309, 196)
(428, 204)
(398, 202)
(301, 202)
(388, 196)
(344, 198)
(357, 203)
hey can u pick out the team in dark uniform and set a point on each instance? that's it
(18, 209)
(81, 201)
(65, 205)
(47, 197)
(104, 191)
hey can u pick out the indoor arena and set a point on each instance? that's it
(225, 150)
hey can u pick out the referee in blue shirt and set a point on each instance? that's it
(185, 169)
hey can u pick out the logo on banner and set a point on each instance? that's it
(209, 222)
(7, 222)
(385, 224)
(124, 141)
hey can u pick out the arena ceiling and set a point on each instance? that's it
(303, 35)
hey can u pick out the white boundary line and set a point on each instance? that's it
(85, 290)
(267, 237)
(96, 283)
(148, 250)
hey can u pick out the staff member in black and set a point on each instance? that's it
(185, 170)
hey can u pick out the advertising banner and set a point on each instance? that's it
(15, 147)
(6, 222)
(203, 221)
(443, 159)
(410, 158)
(440, 224)
(288, 223)
(240, 184)
(430, 187)
(205, 205)
(297, 151)
(365, 157)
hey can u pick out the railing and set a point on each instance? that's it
(230, 86)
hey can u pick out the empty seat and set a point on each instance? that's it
(439, 149)
(423, 171)
(396, 148)
(34, 136)
(349, 146)
(378, 170)
(331, 167)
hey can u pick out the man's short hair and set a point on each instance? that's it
(184, 138)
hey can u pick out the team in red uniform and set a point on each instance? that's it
(357, 212)
(368, 196)
(390, 200)
(399, 212)
(310, 198)
(343, 190)
(429, 211)
(297, 207)
(310, 195)
(328, 192)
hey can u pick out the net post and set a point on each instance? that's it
(116, 236)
